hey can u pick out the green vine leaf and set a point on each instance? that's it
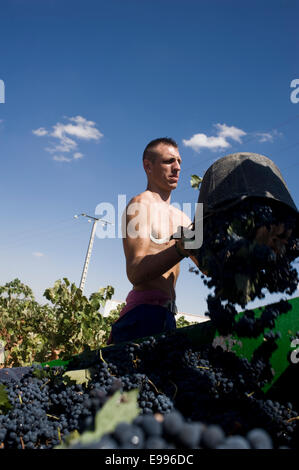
(61, 329)
(121, 407)
(81, 376)
(195, 181)
(5, 404)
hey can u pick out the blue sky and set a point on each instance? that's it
(89, 83)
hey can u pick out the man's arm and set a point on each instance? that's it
(142, 265)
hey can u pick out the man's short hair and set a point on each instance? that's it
(150, 153)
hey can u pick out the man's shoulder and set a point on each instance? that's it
(144, 197)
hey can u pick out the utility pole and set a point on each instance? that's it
(90, 245)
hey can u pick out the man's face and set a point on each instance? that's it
(165, 170)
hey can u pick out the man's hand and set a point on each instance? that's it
(180, 243)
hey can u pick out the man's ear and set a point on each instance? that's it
(147, 165)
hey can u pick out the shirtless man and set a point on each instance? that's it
(152, 256)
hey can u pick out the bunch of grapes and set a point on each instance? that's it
(241, 259)
(206, 386)
(173, 431)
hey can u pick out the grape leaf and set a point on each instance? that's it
(195, 181)
(81, 376)
(5, 404)
(121, 407)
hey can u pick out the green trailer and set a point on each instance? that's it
(283, 360)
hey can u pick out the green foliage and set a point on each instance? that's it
(81, 376)
(121, 407)
(76, 323)
(195, 181)
(182, 322)
(38, 333)
(19, 315)
(69, 325)
(5, 404)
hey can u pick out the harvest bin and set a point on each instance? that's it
(239, 176)
(285, 372)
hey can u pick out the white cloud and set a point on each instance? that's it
(83, 129)
(65, 143)
(199, 141)
(218, 142)
(61, 158)
(40, 132)
(268, 136)
(264, 136)
(78, 155)
(63, 136)
(38, 254)
(231, 132)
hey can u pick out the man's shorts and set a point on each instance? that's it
(143, 320)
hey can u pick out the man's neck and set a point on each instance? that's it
(163, 196)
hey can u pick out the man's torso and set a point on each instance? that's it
(163, 222)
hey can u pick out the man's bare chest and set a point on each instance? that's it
(163, 224)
